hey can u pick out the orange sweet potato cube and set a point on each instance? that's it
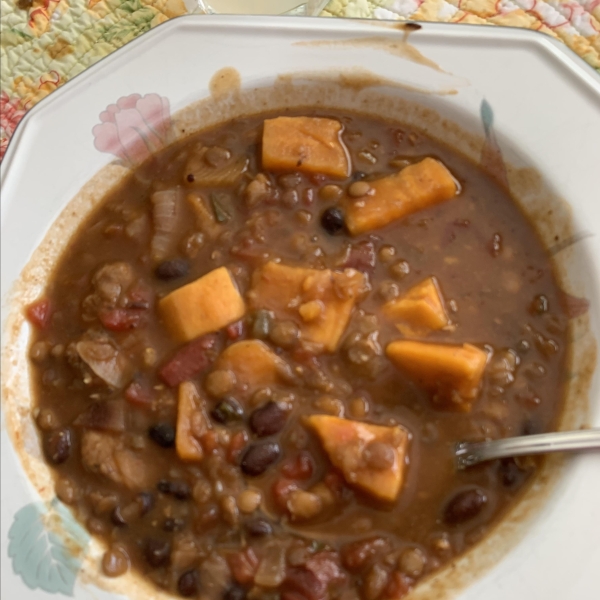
(254, 365)
(191, 423)
(452, 373)
(393, 197)
(306, 144)
(320, 301)
(205, 305)
(420, 310)
(348, 443)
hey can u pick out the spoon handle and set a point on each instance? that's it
(468, 454)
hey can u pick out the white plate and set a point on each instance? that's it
(541, 107)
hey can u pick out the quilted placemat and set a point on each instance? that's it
(44, 43)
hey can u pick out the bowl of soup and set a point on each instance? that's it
(249, 313)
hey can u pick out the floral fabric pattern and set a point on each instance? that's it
(44, 43)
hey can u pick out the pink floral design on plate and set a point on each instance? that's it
(11, 113)
(134, 128)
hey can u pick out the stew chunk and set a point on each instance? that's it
(253, 364)
(106, 454)
(371, 457)
(320, 301)
(396, 196)
(306, 144)
(205, 305)
(452, 373)
(192, 422)
(420, 310)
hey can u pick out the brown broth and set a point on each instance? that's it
(491, 300)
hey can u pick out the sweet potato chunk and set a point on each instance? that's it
(253, 364)
(393, 197)
(192, 422)
(290, 292)
(205, 305)
(452, 373)
(420, 310)
(353, 446)
(307, 144)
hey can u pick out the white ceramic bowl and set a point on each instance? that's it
(489, 92)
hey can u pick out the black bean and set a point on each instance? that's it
(267, 419)
(464, 506)
(332, 221)
(173, 524)
(57, 445)
(258, 527)
(172, 269)
(509, 472)
(164, 486)
(162, 434)
(157, 552)
(235, 592)
(259, 457)
(179, 489)
(146, 502)
(188, 584)
(530, 426)
(227, 410)
(117, 517)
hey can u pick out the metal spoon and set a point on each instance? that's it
(468, 454)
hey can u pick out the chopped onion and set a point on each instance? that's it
(165, 215)
(106, 361)
(271, 571)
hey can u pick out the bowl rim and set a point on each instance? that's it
(590, 83)
(560, 53)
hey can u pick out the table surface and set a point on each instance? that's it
(44, 43)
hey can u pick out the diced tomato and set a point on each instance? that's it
(236, 445)
(399, 585)
(191, 359)
(140, 296)
(39, 312)
(302, 583)
(305, 357)
(357, 554)
(243, 566)
(327, 567)
(235, 330)
(290, 595)
(210, 442)
(281, 490)
(299, 467)
(122, 319)
(139, 393)
(361, 257)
